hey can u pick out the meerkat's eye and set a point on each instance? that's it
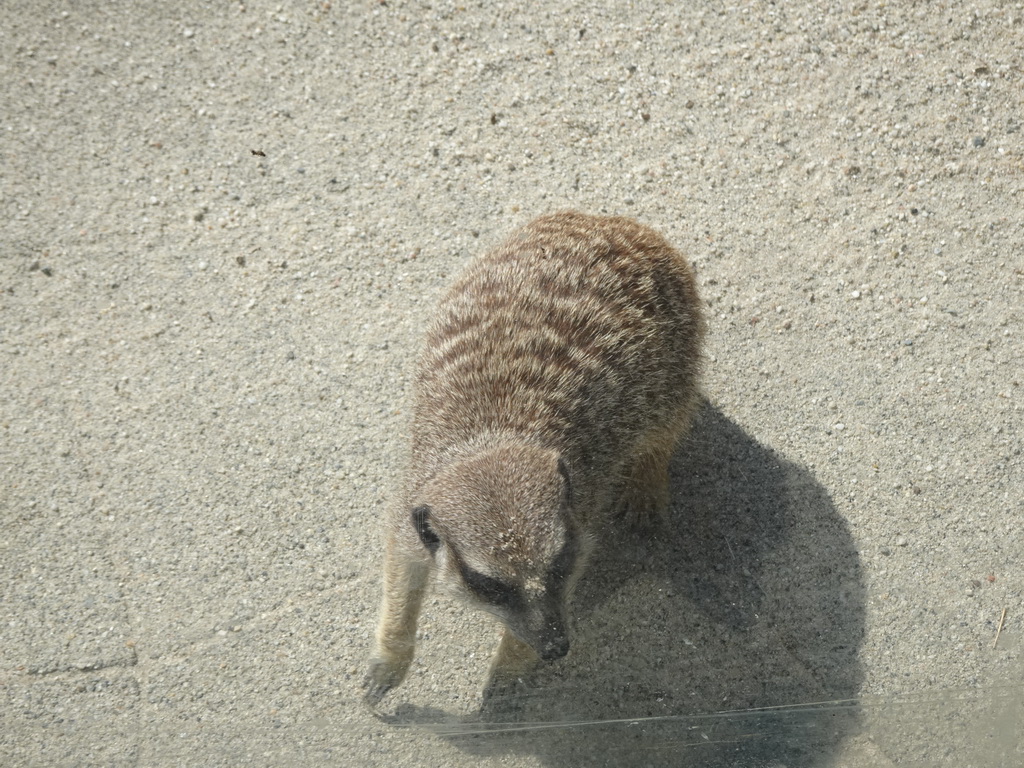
(489, 589)
(421, 521)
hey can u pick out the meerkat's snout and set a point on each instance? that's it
(542, 623)
(555, 647)
(556, 650)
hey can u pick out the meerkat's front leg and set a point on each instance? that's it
(512, 661)
(406, 573)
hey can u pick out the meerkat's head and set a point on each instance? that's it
(501, 529)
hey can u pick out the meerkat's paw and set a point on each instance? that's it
(502, 699)
(384, 674)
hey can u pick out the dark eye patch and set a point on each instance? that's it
(489, 589)
(561, 567)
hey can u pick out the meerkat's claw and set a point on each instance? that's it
(379, 680)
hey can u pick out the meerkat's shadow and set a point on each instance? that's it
(714, 640)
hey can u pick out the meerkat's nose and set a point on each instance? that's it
(555, 648)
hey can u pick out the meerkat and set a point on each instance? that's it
(556, 378)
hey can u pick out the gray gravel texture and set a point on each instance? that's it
(223, 227)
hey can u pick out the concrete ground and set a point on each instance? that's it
(223, 227)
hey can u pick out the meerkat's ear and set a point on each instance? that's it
(421, 522)
(563, 470)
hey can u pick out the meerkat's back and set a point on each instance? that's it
(582, 332)
(555, 380)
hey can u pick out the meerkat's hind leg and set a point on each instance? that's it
(646, 491)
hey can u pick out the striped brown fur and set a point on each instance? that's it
(556, 378)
